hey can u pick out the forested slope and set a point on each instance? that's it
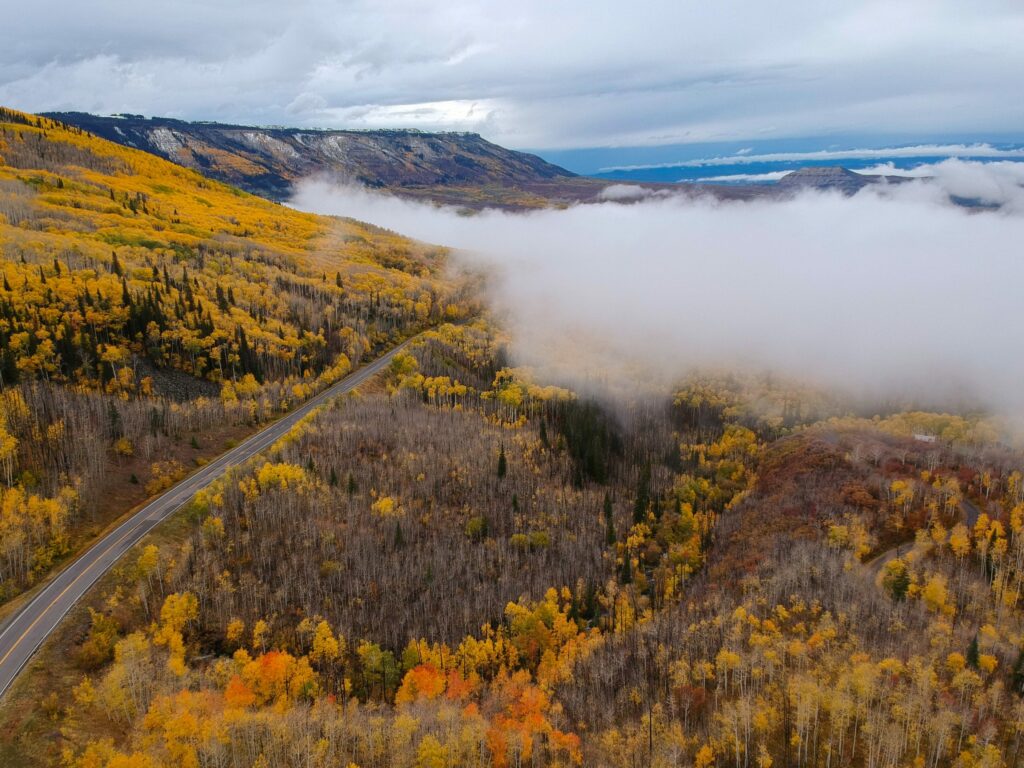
(463, 567)
(142, 304)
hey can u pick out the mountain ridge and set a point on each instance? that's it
(268, 161)
(459, 169)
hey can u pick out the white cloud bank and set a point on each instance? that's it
(733, 178)
(974, 151)
(996, 182)
(890, 293)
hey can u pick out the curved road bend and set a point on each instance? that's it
(877, 563)
(27, 630)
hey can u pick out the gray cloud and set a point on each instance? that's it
(892, 292)
(531, 73)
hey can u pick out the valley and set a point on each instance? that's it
(368, 534)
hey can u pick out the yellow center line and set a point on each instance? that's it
(175, 498)
(63, 592)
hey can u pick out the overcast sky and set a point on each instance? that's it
(549, 74)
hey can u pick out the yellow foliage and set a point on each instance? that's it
(325, 646)
(386, 506)
(934, 593)
(281, 476)
(158, 261)
(235, 631)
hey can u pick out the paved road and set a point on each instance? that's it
(877, 563)
(971, 513)
(27, 630)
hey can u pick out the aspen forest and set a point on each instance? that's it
(460, 564)
(146, 311)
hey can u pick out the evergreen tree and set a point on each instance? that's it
(1018, 674)
(114, 421)
(972, 653)
(626, 572)
(609, 521)
(898, 584)
(643, 494)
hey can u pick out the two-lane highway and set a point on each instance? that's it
(27, 630)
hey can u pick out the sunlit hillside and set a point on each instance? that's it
(141, 304)
(112, 254)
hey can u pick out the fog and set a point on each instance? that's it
(894, 292)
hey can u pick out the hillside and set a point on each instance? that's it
(86, 221)
(463, 567)
(268, 161)
(141, 303)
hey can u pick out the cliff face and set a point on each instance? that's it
(268, 161)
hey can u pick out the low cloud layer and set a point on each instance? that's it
(744, 157)
(992, 183)
(893, 292)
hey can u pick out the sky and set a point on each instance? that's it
(557, 76)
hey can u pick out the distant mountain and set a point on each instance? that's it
(268, 161)
(825, 178)
(832, 177)
(461, 169)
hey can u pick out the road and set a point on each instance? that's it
(27, 629)
(877, 563)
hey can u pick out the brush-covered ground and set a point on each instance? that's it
(150, 316)
(460, 566)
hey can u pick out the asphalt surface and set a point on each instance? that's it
(30, 627)
(877, 563)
